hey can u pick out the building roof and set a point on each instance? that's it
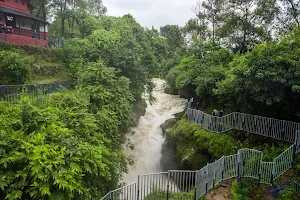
(20, 13)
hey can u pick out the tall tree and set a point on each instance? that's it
(289, 16)
(40, 8)
(71, 11)
(95, 7)
(247, 22)
(208, 17)
(174, 37)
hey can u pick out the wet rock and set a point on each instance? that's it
(168, 124)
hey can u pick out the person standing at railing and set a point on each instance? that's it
(215, 113)
(221, 113)
(214, 118)
(190, 102)
(220, 118)
(198, 105)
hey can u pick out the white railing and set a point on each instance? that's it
(268, 127)
(177, 184)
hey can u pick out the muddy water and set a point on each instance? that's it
(147, 137)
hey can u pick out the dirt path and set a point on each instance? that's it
(221, 193)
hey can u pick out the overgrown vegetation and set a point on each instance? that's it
(13, 68)
(236, 55)
(25, 64)
(195, 147)
(238, 58)
(69, 145)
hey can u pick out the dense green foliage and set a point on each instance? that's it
(120, 43)
(264, 81)
(236, 55)
(237, 192)
(161, 195)
(13, 68)
(288, 194)
(38, 64)
(41, 56)
(247, 188)
(195, 147)
(238, 58)
(69, 146)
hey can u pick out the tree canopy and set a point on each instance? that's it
(240, 55)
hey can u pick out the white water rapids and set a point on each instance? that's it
(148, 138)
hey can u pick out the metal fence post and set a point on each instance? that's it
(168, 186)
(238, 166)
(206, 183)
(214, 179)
(294, 154)
(297, 144)
(233, 120)
(138, 188)
(223, 168)
(195, 192)
(273, 173)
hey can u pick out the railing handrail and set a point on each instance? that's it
(271, 118)
(26, 85)
(269, 127)
(158, 173)
(206, 167)
(234, 164)
(123, 187)
(217, 117)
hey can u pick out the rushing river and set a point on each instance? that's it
(147, 137)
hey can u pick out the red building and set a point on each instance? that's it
(18, 26)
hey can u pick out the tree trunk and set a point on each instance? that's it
(63, 18)
(295, 13)
(214, 29)
(44, 11)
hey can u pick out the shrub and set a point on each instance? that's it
(13, 68)
(237, 192)
(288, 194)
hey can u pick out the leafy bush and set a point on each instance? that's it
(51, 152)
(193, 143)
(264, 81)
(70, 146)
(108, 94)
(237, 192)
(40, 55)
(120, 43)
(199, 75)
(288, 193)
(161, 195)
(13, 68)
(266, 75)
